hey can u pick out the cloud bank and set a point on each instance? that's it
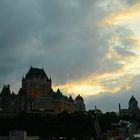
(87, 47)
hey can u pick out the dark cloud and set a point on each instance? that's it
(57, 35)
(61, 36)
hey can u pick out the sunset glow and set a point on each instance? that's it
(113, 81)
(91, 48)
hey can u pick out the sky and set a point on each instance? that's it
(91, 48)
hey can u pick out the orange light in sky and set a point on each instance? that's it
(114, 80)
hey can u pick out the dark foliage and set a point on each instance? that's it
(76, 124)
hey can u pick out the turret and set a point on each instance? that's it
(133, 104)
(79, 103)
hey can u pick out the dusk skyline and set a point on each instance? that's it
(91, 48)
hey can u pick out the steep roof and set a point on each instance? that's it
(6, 90)
(58, 93)
(71, 99)
(36, 72)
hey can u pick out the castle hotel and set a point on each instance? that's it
(36, 94)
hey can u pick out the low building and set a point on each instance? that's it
(19, 135)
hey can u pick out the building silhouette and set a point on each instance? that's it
(133, 108)
(79, 103)
(36, 94)
(36, 83)
(7, 99)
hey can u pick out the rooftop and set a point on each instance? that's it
(36, 72)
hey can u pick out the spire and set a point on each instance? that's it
(71, 99)
(119, 108)
(58, 90)
(58, 93)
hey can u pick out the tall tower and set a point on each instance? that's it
(79, 103)
(133, 104)
(36, 83)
